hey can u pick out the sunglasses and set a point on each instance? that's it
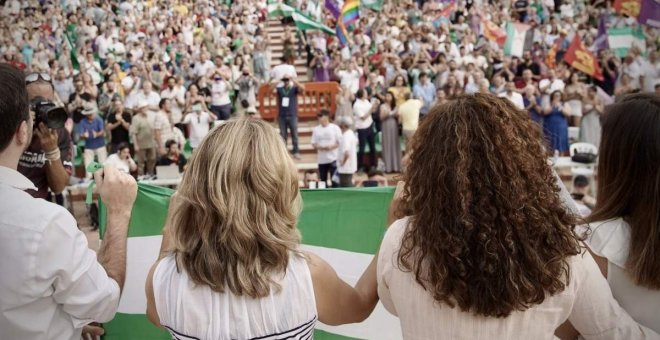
(35, 76)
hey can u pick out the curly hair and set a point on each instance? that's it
(488, 231)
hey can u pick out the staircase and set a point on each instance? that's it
(275, 31)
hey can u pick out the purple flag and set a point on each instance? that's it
(649, 13)
(601, 39)
(331, 5)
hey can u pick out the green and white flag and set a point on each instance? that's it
(519, 38)
(376, 5)
(622, 39)
(281, 9)
(305, 23)
(343, 226)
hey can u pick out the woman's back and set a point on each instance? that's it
(611, 240)
(196, 311)
(586, 302)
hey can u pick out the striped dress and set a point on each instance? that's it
(189, 311)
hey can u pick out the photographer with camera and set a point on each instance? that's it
(47, 160)
(52, 283)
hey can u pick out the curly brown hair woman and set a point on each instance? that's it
(488, 248)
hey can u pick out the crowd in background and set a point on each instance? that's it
(150, 72)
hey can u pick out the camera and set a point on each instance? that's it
(46, 111)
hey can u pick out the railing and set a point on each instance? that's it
(317, 96)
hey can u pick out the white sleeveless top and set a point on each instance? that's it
(190, 311)
(611, 240)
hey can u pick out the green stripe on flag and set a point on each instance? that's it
(330, 215)
(133, 326)
(622, 39)
(148, 214)
(280, 10)
(346, 225)
(305, 23)
(323, 335)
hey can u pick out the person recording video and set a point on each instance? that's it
(47, 160)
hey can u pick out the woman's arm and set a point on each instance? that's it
(596, 314)
(337, 302)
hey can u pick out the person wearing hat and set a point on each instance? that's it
(92, 130)
(347, 153)
(144, 141)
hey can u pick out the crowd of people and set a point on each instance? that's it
(148, 80)
(184, 64)
(478, 199)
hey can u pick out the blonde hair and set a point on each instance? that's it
(233, 219)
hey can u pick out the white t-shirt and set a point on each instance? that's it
(350, 79)
(220, 93)
(153, 99)
(121, 164)
(361, 107)
(202, 69)
(348, 144)
(516, 98)
(174, 95)
(199, 127)
(326, 136)
(103, 44)
(555, 85)
(611, 240)
(282, 70)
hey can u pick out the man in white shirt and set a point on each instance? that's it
(349, 76)
(52, 284)
(131, 84)
(220, 102)
(199, 121)
(152, 99)
(283, 70)
(103, 44)
(177, 96)
(549, 85)
(122, 159)
(347, 155)
(204, 65)
(511, 94)
(325, 139)
(362, 110)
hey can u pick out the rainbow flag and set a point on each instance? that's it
(350, 12)
(342, 34)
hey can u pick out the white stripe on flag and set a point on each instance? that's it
(141, 254)
(350, 266)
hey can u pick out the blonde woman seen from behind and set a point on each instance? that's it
(231, 266)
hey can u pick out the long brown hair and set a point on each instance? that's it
(629, 180)
(233, 219)
(488, 232)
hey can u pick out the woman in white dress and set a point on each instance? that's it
(231, 266)
(574, 93)
(624, 227)
(487, 249)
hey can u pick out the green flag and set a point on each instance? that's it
(343, 226)
(280, 10)
(305, 23)
(71, 42)
(376, 5)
